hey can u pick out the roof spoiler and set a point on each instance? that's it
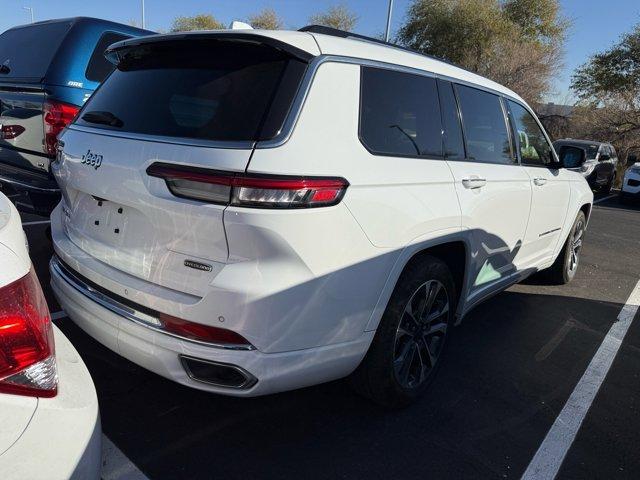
(115, 52)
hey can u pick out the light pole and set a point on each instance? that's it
(388, 31)
(143, 22)
(30, 11)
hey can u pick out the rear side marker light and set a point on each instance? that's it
(27, 353)
(246, 190)
(57, 115)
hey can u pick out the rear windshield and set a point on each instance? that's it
(219, 90)
(27, 52)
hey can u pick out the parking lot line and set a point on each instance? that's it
(605, 198)
(116, 465)
(548, 459)
(39, 222)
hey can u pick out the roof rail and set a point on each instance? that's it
(335, 32)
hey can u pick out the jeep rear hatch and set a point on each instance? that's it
(195, 101)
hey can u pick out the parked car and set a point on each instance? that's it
(48, 404)
(600, 167)
(631, 181)
(249, 212)
(47, 70)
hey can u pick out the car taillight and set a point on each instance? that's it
(9, 132)
(57, 115)
(200, 332)
(27, 353)
(246, 190)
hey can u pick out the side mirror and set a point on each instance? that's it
(631, 159)
(604, 157)
(571, 157)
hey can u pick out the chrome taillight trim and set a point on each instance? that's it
(136, 316)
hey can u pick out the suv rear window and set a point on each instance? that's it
(99, 67)
(28, 51)
(214, 89)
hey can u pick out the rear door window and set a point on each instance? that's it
(484, 126)
(99, 67)
(213, 89)
(26, 52)
(400, 113)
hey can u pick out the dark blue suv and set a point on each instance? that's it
(47, 71)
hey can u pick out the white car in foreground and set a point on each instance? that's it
(249, 212)
(49, 420)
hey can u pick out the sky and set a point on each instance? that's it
(596, 24)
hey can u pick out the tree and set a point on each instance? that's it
(515, 42)
(338, 16)
(608, 86)
(612, 74)
(267, 19)
(202, 21)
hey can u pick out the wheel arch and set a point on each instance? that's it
(453, 249)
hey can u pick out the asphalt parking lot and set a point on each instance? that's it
(510, 369)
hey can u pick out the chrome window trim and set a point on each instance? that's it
(136, 316)
(314, 65)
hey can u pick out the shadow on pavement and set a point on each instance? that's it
(510, 368)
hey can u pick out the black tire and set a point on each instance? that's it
(609, 185)
(378, 376)
(564, 268)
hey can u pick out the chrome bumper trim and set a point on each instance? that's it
(136, 316)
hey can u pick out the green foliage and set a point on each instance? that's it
(338, 16)
(615, 72)
(267, 19)
(202, 21)
(515, 42)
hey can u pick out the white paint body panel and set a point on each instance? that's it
(46, 438)
(631, 174)
(307, 287)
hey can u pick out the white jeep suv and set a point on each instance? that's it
(249, 212)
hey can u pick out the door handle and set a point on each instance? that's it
(474, 182)
(539, 181)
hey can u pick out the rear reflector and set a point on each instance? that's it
(258, 191)
(201, 333)
(27, 355)
(57, 115)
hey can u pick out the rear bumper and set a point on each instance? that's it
(30, 192)
(64, 437)
(161, 353)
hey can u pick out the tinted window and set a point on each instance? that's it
(592, 152)
(28, 51)
(400, 113)
(204, 89)
(453, 140)
(533, 145)
(484, 126)
(99, 67)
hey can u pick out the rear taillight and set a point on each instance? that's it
(246, 190)
(202, 333)
(9, 132)
(57, 115)
(27, 354)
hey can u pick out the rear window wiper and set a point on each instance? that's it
(103, 118)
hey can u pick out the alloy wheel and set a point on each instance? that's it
(421, 333)
(576, 246)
